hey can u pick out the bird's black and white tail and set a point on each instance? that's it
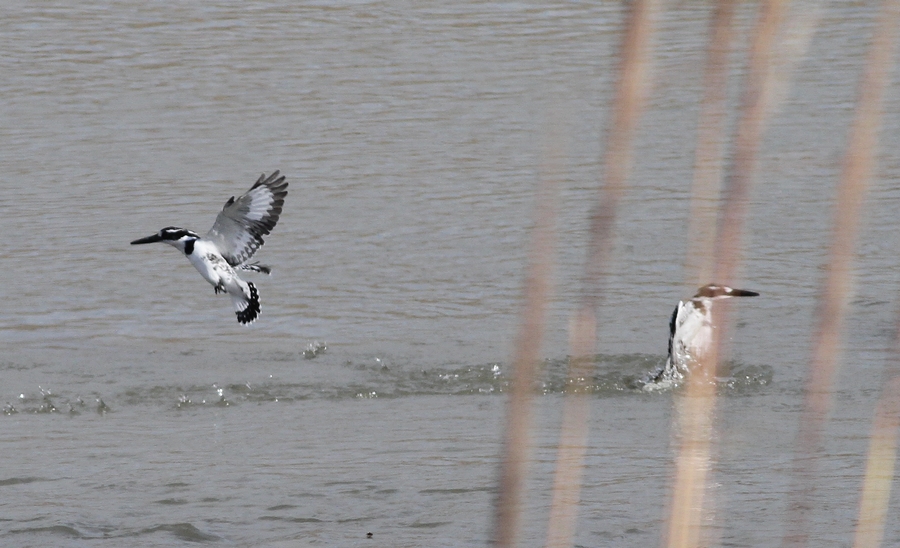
(247, 309)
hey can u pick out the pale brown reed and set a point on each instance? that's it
(696, 406)
(573, 433)
(859, 163)
(706, 184)
(880, 464)
(516, 450)
(701, 239)
(628, 104)
(882, 454)
(761, 92)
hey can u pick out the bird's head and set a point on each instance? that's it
(172, 235)
(714, 291)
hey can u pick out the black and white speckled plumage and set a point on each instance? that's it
(239, 229)
(236, 235)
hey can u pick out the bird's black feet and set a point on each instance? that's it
(219, 288)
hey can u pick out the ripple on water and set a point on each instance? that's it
(19, 481)
(182, 531)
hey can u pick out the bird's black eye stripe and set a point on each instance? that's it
(175, 233)
(189, 247)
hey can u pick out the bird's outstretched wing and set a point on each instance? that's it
(239, 229)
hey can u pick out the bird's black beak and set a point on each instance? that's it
(148, 240)
(743, 293)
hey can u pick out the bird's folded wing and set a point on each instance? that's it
(239, 229)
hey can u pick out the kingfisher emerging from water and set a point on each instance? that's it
(691, 329)
(234, 238)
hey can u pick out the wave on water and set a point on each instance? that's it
(614, 375)
(185, 532)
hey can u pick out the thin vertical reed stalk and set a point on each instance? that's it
(708, 156)
(527, 354)
(756, 107)
(573, 433)
(696, 408)
(628, 104)
(880, 464)
(859, 163)
(706, 184)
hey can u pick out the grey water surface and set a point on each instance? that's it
(138, 412)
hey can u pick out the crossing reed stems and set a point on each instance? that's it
(628, 105)
(859, 163)
(696, 406)
(527, 354)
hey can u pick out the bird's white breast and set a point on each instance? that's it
(209, 262)
(693, 334)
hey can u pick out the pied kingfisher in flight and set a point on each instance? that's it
(234, 238)
(690, 330)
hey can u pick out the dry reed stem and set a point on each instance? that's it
(628, 104)
(696, 407)
(756, 107)
(799, 27)
(573, 433)
(859, 163)
(708, 156)
(693, 461)
(526, 358)
(706, 185)
(876, 491)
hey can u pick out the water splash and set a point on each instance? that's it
(374, 378)
(314, 349)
